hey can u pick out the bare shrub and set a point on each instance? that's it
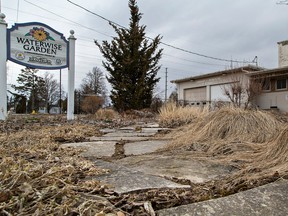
(106, 114)
(91, 104)
(242, 94)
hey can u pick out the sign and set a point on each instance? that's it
(36, 45)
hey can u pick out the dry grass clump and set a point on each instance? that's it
(228, 125)
(106, 114)
(37, 177)
(254, 142)
(47, 188)
(276, 151)
(268, 164)
(171, 115)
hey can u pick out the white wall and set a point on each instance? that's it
(217, 92)
(283, 53)
(211, 84)
(277, 99)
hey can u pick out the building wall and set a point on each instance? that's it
(274, 95)
(214, 87)
(277, 99)
(283, 53)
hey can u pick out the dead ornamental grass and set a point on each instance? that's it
(171, 115)
(106, 114)
(276, 152)
(269, 164)
(37, 177)
(227, 125)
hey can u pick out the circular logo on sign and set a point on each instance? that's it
(20, 55)
(58, 61)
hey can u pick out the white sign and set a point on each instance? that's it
(37, 45)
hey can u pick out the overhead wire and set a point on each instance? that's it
(163, 43)
(204, 63)
(87, 39)
(89, 60)
(79, 24)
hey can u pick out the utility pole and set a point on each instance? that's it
(166, 76)
(255, 60)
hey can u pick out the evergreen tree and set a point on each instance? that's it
(30, 86)
(132, 63)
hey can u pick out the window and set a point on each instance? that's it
(281, 84)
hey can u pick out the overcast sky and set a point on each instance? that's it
(237, 30)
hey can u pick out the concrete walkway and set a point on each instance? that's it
(139, 172)
(120, 178)
(267, 200)
(125, 180)
(137, 141)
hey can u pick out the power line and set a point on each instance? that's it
(88, 39)
(166, 44)
(102, 17)
(204, 63)
(79, 24)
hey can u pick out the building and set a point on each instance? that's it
(210, 88)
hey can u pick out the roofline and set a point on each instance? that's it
(285, 42)
(224, 72)
(267, 71)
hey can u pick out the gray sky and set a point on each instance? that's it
(237, 30)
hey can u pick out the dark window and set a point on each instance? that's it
(281, 84)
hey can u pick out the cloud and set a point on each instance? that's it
(224, 28)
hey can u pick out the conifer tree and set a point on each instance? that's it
(132, 63)
(30, 86)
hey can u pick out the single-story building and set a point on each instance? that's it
(212, 88)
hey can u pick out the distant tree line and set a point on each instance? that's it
(34, 92)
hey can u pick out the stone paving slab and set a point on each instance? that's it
(143, 125)
(267, 200)
(107, 130)
(184, 167)
(129, 134)
(132, 139)
(143, 147)
(154, 130)
(128, 128)
(94, 149)
(125, 180)
(107, 148)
